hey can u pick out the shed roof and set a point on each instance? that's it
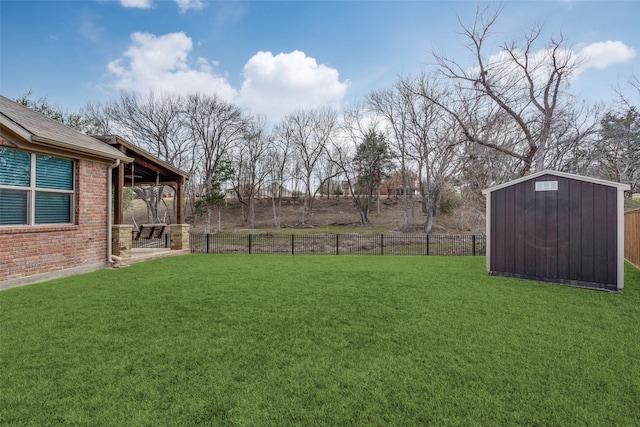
(619, 186)
(41, 130)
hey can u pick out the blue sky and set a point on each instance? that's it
(272, 57)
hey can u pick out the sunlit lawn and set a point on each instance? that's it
(282, 340)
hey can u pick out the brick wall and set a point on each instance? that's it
(27, 251)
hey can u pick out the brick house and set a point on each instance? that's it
(55, 198)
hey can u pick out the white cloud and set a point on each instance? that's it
(600, 55)
(185, 5)
(277, 85)
(162, 64)
(139, 4)
(273, 85)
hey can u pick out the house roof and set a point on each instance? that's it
(619, 186)
(146, 169)
(44, 131)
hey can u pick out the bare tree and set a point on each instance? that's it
(325, 171)
(154, 123)
(101, 122)
(432, 141)
(309, 132)
(576, 129)
(635, 83)
(362, 156)
(278, 158)
(616, 156)
(390, 104)
(626, 95)
(524, 86)
(214, 126)
(78, 121)
(252, 167)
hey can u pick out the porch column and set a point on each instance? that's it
(180, 201)
(121, 240)
(179, 237)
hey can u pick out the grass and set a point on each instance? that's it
(276, 340)
(631, 203)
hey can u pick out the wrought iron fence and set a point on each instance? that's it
(340, 244)
(160, 242)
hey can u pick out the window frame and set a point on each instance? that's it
(31, 190)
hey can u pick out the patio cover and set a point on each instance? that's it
(147, 170)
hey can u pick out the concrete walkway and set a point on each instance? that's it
(146, 254)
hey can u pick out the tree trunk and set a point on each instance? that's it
(405, 207)
(252, 211)
(168, 211)
(428, 225)
(277, 208)
(207, 221)
(427, 204)
(275, 214)
(304, 210)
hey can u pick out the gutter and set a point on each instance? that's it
(110, 258)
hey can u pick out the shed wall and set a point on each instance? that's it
(564, 236)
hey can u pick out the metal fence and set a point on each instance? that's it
(339, 244)
(160, 242)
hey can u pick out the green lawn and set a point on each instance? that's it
(280, 340)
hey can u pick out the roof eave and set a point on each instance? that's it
(619, 186)
(84, 150)
(118, 140)
(15, 127)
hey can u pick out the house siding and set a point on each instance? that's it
(36, 250)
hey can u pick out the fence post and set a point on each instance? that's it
(292, 244)
(427, 245)
(382, 244)
(337, 244)
(473, 242)
(249, 243)
(208, 241)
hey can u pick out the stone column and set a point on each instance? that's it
(121, 240)
(179, 237)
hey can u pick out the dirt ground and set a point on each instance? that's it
(336, 214)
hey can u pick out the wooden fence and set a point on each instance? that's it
(632, 236)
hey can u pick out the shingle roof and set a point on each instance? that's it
(42, 130)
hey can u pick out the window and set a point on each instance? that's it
(35, 188)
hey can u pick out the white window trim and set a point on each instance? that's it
(31, 194)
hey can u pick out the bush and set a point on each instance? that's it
(448, 203)
(631, 203)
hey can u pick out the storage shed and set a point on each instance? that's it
(557, 227)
